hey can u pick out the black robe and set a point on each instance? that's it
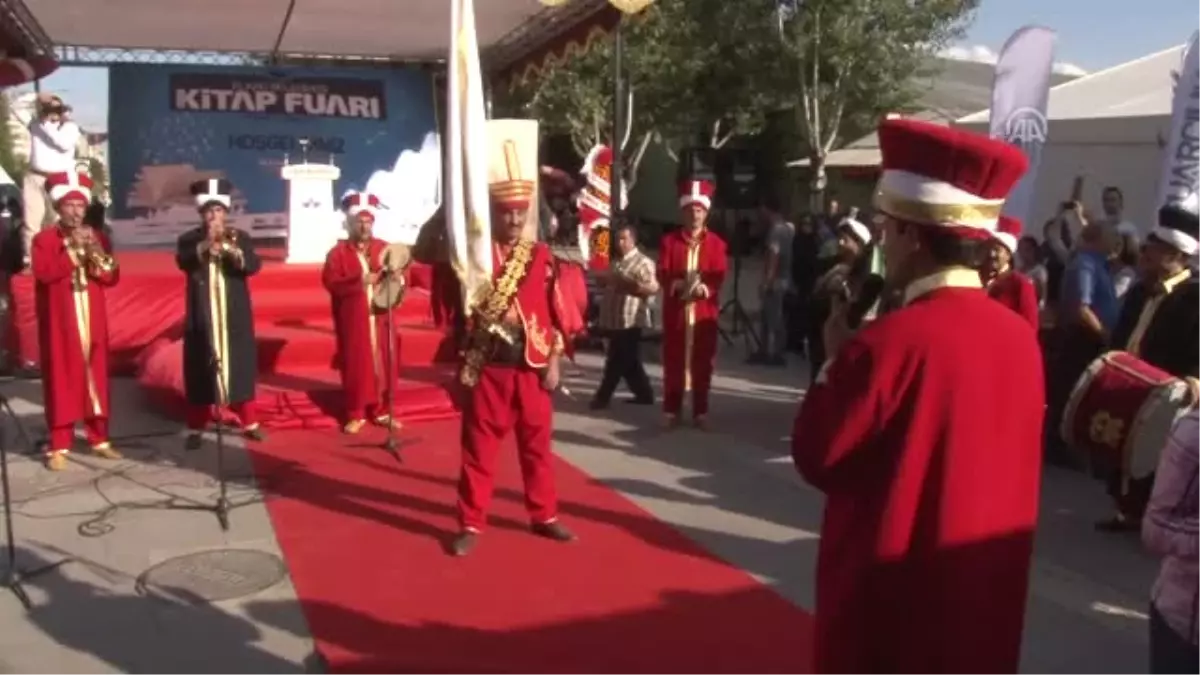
(1170, 340)
(199, 374)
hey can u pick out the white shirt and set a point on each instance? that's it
(52, 146)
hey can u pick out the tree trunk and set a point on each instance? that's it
(817, 183)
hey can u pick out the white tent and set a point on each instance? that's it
(1108, 127)
(393, 30)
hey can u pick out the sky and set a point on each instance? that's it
(1092, 35)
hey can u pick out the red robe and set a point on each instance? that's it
(510, 397)
(690, 327)
(72, 331)
(362, 331)
(1016, 292)
(925, 434)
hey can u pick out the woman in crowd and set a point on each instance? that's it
(1124, 263)
(1169, 529)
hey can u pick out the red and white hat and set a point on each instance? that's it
(354, 203)
(857, 230)
(696, 191)
(1008, 232)
(945, 177)
(69, 185)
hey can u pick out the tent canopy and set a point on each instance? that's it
(397, 30)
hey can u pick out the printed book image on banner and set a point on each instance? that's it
(172, 125)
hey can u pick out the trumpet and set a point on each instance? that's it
(91, 254)
(229, 242)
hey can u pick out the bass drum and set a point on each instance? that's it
(1121, 412)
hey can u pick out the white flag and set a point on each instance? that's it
(468, 210)
(1020, 95)
(1179, 181)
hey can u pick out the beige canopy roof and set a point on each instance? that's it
(398, 30)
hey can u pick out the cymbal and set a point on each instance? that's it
(396, 256)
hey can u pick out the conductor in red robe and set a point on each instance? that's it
(72, 265)
(692, 265)
(353, 275)
(1005, 284)
(924, 431)
(511, 365)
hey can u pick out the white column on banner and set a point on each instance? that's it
(1180, 178)
(1020, 95)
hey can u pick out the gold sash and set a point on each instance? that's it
(491, 310)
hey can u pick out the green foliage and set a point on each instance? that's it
(99, 175)
(851, 61)
(12, 165)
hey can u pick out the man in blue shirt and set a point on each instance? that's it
(1087, 313)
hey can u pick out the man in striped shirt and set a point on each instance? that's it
(624, 313)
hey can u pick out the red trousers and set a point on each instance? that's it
(200, 416)
(704, 359)
(63, 437)
(507, 398)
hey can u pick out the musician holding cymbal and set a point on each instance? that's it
(364, 280)
(220, 357)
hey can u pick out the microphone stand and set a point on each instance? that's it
(221, 508)
(14, 577)
(390, 444)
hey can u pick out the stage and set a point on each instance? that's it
(298, 387)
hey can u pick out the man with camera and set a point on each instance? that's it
(53, 138)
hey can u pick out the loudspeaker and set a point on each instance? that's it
(697, 163)
(738, 179)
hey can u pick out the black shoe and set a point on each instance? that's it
(597, 405)
(1119, 523)
(641, 400)
(553, 530)
(255, 433)
(463, 543)
(192, 442)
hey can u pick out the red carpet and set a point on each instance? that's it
(363, 538)
(295, 340)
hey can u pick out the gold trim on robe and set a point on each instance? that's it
(369, 290)
(218, 314)
(691, 271)
(83, 325)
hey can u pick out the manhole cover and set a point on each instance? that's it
(212, 576)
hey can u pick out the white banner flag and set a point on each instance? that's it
(1179, 181)
(1020, 93)
(468, 210)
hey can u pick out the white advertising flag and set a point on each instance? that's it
(1020, 93)
(468, 210)
(1179, 181)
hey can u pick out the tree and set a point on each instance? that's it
(8, 160)
(99, 175)
(693, 78)
(854, 60)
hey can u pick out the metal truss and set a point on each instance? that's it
(106, 56)
(14, 13)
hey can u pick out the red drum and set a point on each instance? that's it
(1121, 412)
(14, 72)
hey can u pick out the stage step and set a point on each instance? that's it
(288, 347)
(281, 304)
(312, 399)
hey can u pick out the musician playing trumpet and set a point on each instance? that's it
(220, 355)
(355, 274)
(72, 266)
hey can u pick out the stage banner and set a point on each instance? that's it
(1020, 95)
(172, 125)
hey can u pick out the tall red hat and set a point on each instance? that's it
(69, 185)
(946, 177)
(1008, 232)
(354, 203)
(696, 191)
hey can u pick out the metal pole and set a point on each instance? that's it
(618, 126)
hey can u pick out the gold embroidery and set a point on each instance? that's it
(1106, 430)
(692, 276)
(492, 309)
(537, 336)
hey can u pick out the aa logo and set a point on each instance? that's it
(1026, 127)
